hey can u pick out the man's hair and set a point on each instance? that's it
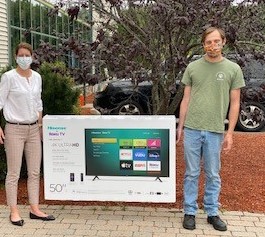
(210, 30)
(24, 45)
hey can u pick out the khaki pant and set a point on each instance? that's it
(19, 139)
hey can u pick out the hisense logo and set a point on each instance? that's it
(56, 128)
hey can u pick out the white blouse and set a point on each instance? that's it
(20, 98)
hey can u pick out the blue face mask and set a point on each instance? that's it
(24, 62)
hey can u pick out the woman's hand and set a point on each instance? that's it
(41, 131)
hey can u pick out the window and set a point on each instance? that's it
(29, 22)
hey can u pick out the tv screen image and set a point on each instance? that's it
(127, 152)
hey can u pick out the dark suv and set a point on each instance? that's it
(124, 98)
(252, 111)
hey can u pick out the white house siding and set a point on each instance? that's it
(3, 34)
(98, 19)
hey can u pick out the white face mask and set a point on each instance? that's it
(24, 62)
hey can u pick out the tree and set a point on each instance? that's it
(159, 38)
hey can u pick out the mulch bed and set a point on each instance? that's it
(243, 178)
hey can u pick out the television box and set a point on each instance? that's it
(110, 158)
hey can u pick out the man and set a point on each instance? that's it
(212, 85)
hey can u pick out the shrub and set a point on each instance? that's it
(2, 163)
(59, 95)
(2, 149)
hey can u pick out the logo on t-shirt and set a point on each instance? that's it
(220, 76)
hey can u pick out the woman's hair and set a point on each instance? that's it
(24, 45)
(210, 30)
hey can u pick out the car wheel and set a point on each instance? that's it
(251, 117)
(129, 108)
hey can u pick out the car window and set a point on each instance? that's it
(254, 72)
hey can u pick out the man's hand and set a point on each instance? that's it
(179, 134)
(228, 142)
(2, 136)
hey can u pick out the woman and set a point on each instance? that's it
(20, 99)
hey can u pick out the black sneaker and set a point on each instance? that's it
(217, 223)
(189, 222)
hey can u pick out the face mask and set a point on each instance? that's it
(24, 62)
(213, 50)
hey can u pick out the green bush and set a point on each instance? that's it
(2, 163)
(2, 149)
(59, 95)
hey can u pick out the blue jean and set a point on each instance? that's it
(202, 147)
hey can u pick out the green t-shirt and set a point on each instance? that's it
(211, 84)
